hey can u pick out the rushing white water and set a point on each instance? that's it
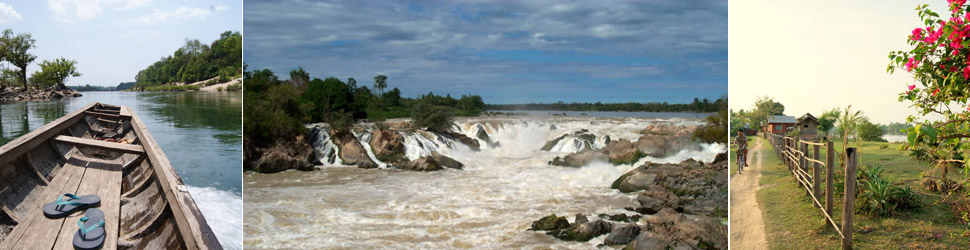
(223, 213)
(364, 138)
(325, 151)
(488, 205)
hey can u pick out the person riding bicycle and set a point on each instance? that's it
(742, 142)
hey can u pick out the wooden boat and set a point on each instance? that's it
(104, 150)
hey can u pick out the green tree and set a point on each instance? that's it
(826, 122)
(763, 108)
(869, 131)
(352, 84)
(18, 53)
(847, 126)
(380, 82)
(299, 77)
(432, 117)
(55, 72)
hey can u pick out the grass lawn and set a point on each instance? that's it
(791, 222)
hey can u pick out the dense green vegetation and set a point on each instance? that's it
(55, 73)
(277, 109)
(120, 87)
(698, 106)
(195, 61)
(716, 129)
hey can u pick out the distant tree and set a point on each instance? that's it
(380, 83)
(299, 77)
(433, 117)
(18, 53)
(826, 122)
(55, 72)
(869, 131)
(352, 84)
(392, 98)
(763, 108)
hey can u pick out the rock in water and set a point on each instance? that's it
(584, 231)
(425, 163)
(352, 152)
(622, 151)
(283, 155)
(447, 162)
(623, 235)
(578, 159)
(388, 145)
(550, 222)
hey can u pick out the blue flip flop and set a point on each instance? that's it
(73, 203)
(90, 233)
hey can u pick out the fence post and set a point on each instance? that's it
(829, 162)
(788, 149)
(847, 211)
(815, 173)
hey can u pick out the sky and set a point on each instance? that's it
(114, 39)
(505, 51)
(812, 56)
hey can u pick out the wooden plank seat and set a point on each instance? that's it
(77, 176)
(127, 148)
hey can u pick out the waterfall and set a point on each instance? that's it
(324, 150)
(364, 139)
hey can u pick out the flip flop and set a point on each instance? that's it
(63, 207)
(90, 233)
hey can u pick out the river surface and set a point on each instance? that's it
(201, 133)
(488, 205)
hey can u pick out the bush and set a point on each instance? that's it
(432, 117)
(234, 87)
(880, 197)
(716, 129)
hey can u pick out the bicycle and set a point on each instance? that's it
(741, 156)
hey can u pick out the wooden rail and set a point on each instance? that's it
(801, 156)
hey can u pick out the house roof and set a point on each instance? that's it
(781, 119)
(806, 117)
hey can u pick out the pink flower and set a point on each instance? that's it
(911, 64)
(966, 72)
(912, 87)
(936, 91)
(918, 34)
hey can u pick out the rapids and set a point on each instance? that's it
(488, 205)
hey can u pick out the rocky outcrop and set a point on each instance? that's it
(432, 162)
(464, 139)
(617, 152)
(16, 94)
(584, 135)
(483, 135)
(351, 151)
(679, 206)
(550, 222)
(660, 141)
(283, 155)
(388, 146)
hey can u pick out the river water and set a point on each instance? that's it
(199, 132)
(488, 205)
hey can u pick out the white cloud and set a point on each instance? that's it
(69, 10)
(183, 12)
(7, 14)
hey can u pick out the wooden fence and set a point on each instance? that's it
(801, 156)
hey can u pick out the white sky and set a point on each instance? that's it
(113, 39)
(816, 55)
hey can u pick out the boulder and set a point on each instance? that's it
(583, 231)
(425, 163)
(550, 222)
(464, 139)
(578, 159)
(388, 146)
(352, 152)
(622, 235)
(622, 151)
(446, 161)
(283, 155)
(655, 199)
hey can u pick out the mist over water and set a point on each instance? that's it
(488, 205)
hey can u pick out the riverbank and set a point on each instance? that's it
(13, 94)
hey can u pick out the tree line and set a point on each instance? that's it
(277, 109)
(15, 50)
(835, 122)
(196, 61)
(697, 106)
(119, 87)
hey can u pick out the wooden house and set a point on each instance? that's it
(780, 124)
(807, 127)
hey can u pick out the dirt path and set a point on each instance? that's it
(747, 225)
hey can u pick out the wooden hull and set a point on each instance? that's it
(105, 150)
